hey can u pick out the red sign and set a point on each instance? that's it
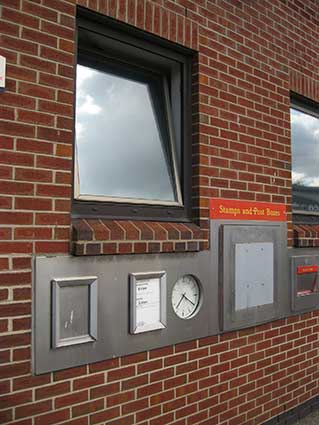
(307, 269)
(230, 209)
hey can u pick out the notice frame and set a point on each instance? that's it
(147, 301)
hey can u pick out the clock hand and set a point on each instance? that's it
(182, 297)
(189, 300)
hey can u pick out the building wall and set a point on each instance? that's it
(250, 55)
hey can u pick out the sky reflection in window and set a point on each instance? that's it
(305, 160)
(119, 147)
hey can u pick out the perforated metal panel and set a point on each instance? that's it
(254, 274)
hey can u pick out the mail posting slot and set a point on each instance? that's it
(307, 277)
(305, 282)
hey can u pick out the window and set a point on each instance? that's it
(304, 116)
(133, 123)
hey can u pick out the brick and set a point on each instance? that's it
(15, 309)
(6, 415)
(18, 44)
(161, 352)
(33, 204)
(89, 381)
(104, 365)
(106, 415)
(32, 175)
(69, 373)
(118, 374)
(150, 366)
(57, 30)
(121, 398)
(135, 406)
(20, 354)
(30, 381)
(53, 417)
(17, 278)
(33, 62)
(51, 247)
(134, 382)
(33, 409)
(29, 145)
(5, 385)
(8, 371)
(69, 400)
(173, 360)
(48, 133)
(149, 389)
(53, 163)
(46, 39)
(15, 129)
(3, 294)
(5, 203)
(42, 12)
(54, 191)
(36, 118)
(16, 247)
(104, 390)
(15, 399)
(88, 408)
(20, 18)
(55, 81)
(133, 358)
(115, 229)
(52, 390)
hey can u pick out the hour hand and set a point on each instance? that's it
(189, 300)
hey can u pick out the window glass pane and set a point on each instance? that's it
(119, 146)
(305, 160)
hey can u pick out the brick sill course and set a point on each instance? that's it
(306, 235)
(102, 237)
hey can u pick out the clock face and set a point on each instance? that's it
(186, 296)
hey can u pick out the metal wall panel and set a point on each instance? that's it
(113, 313)
(226, 235)
(221, 271)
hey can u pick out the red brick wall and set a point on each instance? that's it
(251, 54)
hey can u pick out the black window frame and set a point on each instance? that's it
(129, 51)
(310, 107)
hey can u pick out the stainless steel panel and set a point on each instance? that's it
(225, 234)
(113, 299)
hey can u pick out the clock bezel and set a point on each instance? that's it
(200, 298)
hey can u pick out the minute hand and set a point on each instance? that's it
(182, 297)
(189, 300)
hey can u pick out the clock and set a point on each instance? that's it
(186, 296)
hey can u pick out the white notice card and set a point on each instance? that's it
(148, 305)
